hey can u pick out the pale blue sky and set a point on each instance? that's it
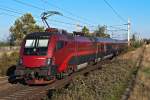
(93, 12)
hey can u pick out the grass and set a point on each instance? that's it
(146, 71)
(141, 89)
(108, 83)
(7, 61)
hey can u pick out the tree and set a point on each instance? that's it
(85, 30)
(23, 26)
(101, 32)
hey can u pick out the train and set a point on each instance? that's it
(54, 54)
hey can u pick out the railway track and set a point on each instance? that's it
(3, 80)
(24, 92)
(21, 92)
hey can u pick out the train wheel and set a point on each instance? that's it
(74, 68)
(60, 76)
(68, 72)
(91, 62)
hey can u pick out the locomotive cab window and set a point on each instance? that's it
(42, 43)
(36, 46)
(30, 43)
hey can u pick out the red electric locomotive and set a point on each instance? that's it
(46, 56)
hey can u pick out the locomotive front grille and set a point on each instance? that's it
(26, 72)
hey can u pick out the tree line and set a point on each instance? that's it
(27, 24)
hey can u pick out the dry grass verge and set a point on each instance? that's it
(6, 61)
(109, 83)
(142, 87)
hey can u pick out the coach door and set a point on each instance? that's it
(103, 49)
(59, 52)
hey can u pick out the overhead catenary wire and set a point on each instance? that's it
(115, 12)
(11, 15)
(9, 10)
(13, 11)
(39, 8)
(29, 5)
(117, 28)
(36, 7)
(66, 11)
(66, 23)
(18, 12)
(1, 13)
(37, 18)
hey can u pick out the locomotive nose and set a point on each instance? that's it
(34, 61)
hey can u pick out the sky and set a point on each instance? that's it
(83, 12)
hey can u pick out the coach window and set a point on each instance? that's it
(59, 45)
(109, 47)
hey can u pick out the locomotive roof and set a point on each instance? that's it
(39, 34)
(109, 40)
(97, 39)
(42, 34)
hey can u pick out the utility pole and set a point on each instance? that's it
(129, 30)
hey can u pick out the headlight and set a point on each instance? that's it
(48, 61)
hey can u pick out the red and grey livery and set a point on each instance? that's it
(46, 56)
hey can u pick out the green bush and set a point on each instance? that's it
(136, 44)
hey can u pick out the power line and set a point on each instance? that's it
(118, 30)
(27, 4)
(118, 25)
(13, 11)
(11, 15)
(16, 12)
(9, 10)
(115, 12)
(70, 13)
(64, 22)
(33, 6)
(67, 25)
(1, 13)
(79, 16)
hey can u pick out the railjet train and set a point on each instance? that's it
(51, 55)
